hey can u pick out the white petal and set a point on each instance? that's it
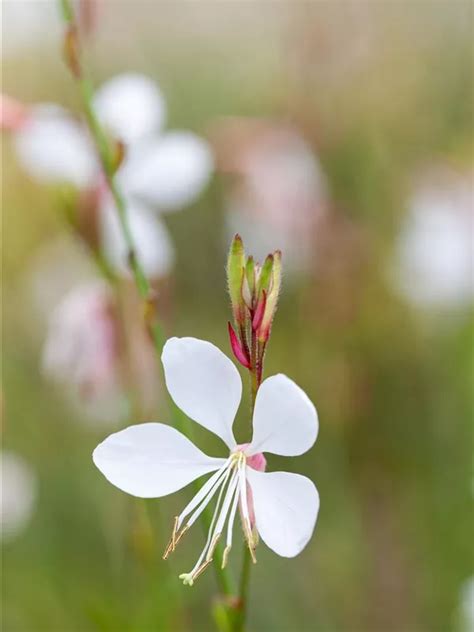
(151, 460)
(152, 243)
(130, 106)
(286, 507)
(54, 148)
(204, 383)
(19, 492)
(168, 172)
(285, 420)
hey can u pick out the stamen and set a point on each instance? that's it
(230, 524)
(212, 547)
(206, 492)
(172, 543)
(208, 485)
(221, 482)
(230, 492)
(202, 568)
(199, 567)
(245, 514)
(225, 555)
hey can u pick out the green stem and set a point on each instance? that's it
(143, 286)
(255, 378)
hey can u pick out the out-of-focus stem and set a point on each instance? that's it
(108, 167)
(223, 576)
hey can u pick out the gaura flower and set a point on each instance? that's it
(161, 171)
(434, 251)
(277, 192)
(18, 497)
(82, 352)
(151, 460)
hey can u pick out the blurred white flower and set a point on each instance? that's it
(167, 172)
(155, 250)
(435, 246)
(130, 107)
(54, 148)
(467, 605)
(29, 24)
(160, 172)
(48, 282)
(81, 351)
(279, 192)
(81, 346)
(19, 492)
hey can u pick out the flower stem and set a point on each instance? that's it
(255, 379)
(142, 284)
(107, 161)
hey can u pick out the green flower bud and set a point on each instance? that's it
(235, 277)
(272, 299)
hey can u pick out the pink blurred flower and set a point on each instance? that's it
(278, 192)
(13, 113)
(82, 351)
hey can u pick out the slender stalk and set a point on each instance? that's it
(255, 379)
(143, 286)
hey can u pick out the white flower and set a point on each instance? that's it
(54, 148)
(130, 106)
(81, 346)
(436, 245)
(161, 172)
(19, 491)
(155, 250)
(81, 352)
(467, 605)
(152, 459)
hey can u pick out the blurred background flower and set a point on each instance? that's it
(19, 491)
(158, 172)
(278, 191)
(435, 246)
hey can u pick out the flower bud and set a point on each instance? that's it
(71, 51)
(238, 349)
(265, 275)
(250, 277)
(235, 278)
(263, 332)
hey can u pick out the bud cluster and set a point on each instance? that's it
(254, 291)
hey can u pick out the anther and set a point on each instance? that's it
(225, 555)
(252, 553)
(175, 538)
(212, 547)
(201, 569)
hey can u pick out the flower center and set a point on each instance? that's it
(230, 485)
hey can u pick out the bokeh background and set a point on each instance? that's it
(342, 133)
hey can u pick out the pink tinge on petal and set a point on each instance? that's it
(257, 462)
(13, 113)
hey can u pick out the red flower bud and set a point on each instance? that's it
(259, 312)
(237, 348)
